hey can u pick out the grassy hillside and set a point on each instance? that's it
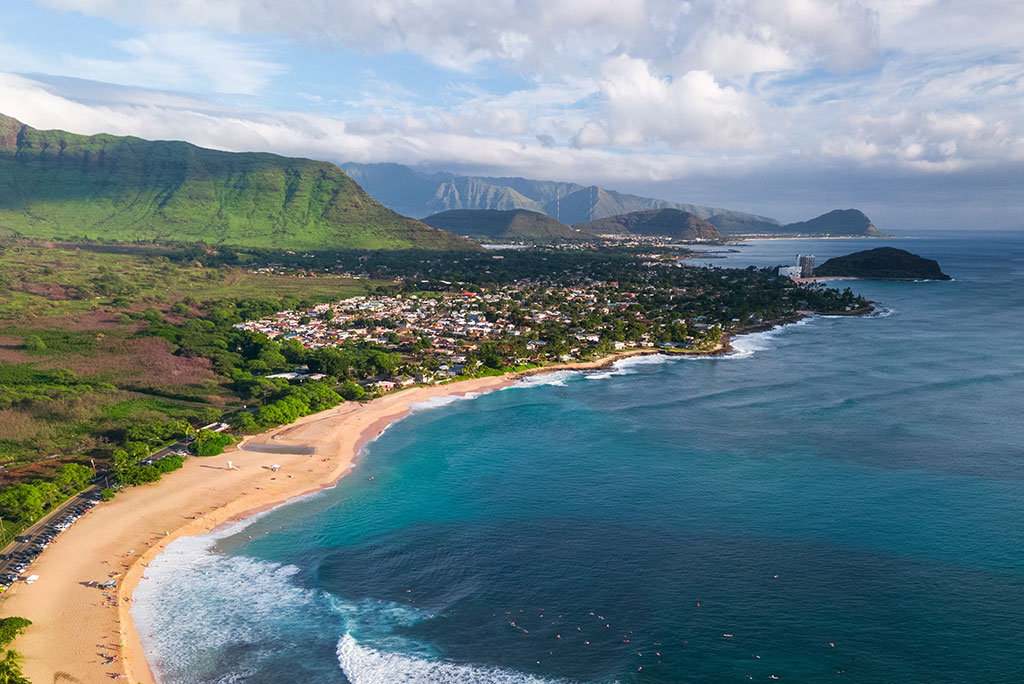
(517, 224)
(58, 185)
(669, 223)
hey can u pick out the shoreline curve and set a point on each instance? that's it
(77, 627)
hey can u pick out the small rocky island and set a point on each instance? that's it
(882, 263)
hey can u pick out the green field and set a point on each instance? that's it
(78, 363)
(37, 281)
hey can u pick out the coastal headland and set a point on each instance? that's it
(84, 633)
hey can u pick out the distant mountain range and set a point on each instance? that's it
(64, 186)
(670, 223)
(59, 185)
(419, 193)
(497, 224)
(521, 225)
(416, 193)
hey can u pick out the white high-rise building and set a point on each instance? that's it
(806, 264)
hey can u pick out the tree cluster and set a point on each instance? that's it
(28, 501)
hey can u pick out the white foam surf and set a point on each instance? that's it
(629, 366)
(438, 402)
(558, 379)
(745, 346)
(186, 603)
(365, 665)
(881, 312)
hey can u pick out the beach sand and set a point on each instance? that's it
(76, 628)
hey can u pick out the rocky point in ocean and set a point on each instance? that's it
(882, 263)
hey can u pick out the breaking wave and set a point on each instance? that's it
(745, 346)
(438, 402)
(628, 366)
(365, 665)
(558, 379)
(192, 586)
(881, 312)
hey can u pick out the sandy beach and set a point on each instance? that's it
(78, 627)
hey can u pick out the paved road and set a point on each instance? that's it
(30, 537)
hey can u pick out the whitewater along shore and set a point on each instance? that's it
(84, 633)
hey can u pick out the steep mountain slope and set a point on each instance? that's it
(846, 222)
(835, 222)
(670, 223)
(59, 185)
(592, 203)
(514, 224)
(887, 263)
(413, 193)
(736, 223)
(418, 194)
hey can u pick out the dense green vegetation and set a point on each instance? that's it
(288, 404)
(210, 443)
(26, 502)
(10, 669)
(58, 185)
(11, 628)
(887, 263)
(10, 664)
(23, 383)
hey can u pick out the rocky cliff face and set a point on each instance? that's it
(9, 130)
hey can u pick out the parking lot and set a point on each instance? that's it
(17, 557)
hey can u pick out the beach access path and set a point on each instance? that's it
(77, 626)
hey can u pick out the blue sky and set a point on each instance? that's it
(907, 109)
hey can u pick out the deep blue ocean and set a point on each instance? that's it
(837, 500)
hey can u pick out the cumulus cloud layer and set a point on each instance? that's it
(587, 90)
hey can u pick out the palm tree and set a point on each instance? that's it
(10, 669)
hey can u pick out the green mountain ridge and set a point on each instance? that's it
(670, 223)
(512, 224)
(60, 185)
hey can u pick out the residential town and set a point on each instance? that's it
(442, 335)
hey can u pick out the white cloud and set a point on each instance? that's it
(451, 33)
(751, 36)
(641, 89)
(170, 60)
(692, 109)
(43, 105)
(182, 61)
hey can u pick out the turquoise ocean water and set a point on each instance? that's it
(844, 497)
